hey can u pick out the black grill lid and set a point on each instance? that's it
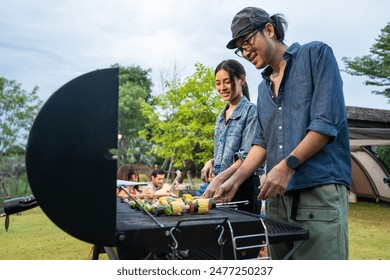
(69, 168)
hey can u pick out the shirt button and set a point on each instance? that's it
(280, 127)
(280, 108)
(280, 146)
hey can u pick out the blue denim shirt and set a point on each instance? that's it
(233, 139)
(310, 98)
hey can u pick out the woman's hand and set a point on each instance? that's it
(207, 171)
(212, 187)
(220, 190)
(226, 191)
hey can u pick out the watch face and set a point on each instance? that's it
(293, 162)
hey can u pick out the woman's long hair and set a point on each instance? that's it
(235, 70)
(125, 172)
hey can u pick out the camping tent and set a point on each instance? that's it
(367, 176)
(367, 128)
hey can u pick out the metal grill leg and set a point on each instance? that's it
(97, 250)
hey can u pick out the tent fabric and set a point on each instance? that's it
(367, 176)
(356, 144)
(369, 133)
(368, 127)
(368, 136)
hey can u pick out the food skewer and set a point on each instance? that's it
(121, 187)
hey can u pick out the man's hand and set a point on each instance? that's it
(276, 181)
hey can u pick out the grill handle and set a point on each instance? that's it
(19, 204)
(176, 228)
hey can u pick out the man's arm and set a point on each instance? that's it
(310, 145)
(277, 179)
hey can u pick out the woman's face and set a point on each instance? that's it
(134, 177)
(224, 86)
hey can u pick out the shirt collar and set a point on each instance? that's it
(238, 110)
(291, 51)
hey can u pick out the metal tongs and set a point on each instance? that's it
(232, 204)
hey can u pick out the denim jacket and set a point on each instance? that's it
(233, 139)
(310, 98)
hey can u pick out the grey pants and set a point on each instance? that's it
(324, 211)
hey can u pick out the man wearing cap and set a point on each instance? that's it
(303, 135)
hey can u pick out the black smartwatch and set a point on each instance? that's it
(293, 162)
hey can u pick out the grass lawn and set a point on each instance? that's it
(32, 236)
(369, 231)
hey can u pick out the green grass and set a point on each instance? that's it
(369, 231)
(32, 236)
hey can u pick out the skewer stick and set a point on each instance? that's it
(121, 187)
(245, 202)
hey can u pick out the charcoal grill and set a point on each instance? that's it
(223, 233)
(73, 177)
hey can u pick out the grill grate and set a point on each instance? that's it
(198, 236)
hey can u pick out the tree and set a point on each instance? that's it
(135, 75)
(18, 109)
(134, 88)
(182, 124)
(138, 151)
(376, 66)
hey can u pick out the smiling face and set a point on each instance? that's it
(262, 47)
(229, 90)
(158, 180)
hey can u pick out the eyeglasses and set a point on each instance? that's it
(246, 45)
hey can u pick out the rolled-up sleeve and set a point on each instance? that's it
(327, 104)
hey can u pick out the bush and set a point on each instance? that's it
(13, 178)
(384, 154)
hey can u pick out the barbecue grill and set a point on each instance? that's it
(223, 233)
(73, 177)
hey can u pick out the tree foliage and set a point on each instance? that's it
(138, 151)
(376, 66)
(181, 126)
(384, 154)
(18, 109)
(134, 88)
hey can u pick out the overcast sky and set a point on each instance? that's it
(48, 43)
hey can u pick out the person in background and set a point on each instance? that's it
(234, 132)
(128, 173)
(303, 135)
(156, 182)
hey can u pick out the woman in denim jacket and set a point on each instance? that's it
(234, 132)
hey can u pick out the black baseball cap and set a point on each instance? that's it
(245, 21)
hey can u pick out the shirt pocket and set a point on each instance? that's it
(299, 93)
(234, 135)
